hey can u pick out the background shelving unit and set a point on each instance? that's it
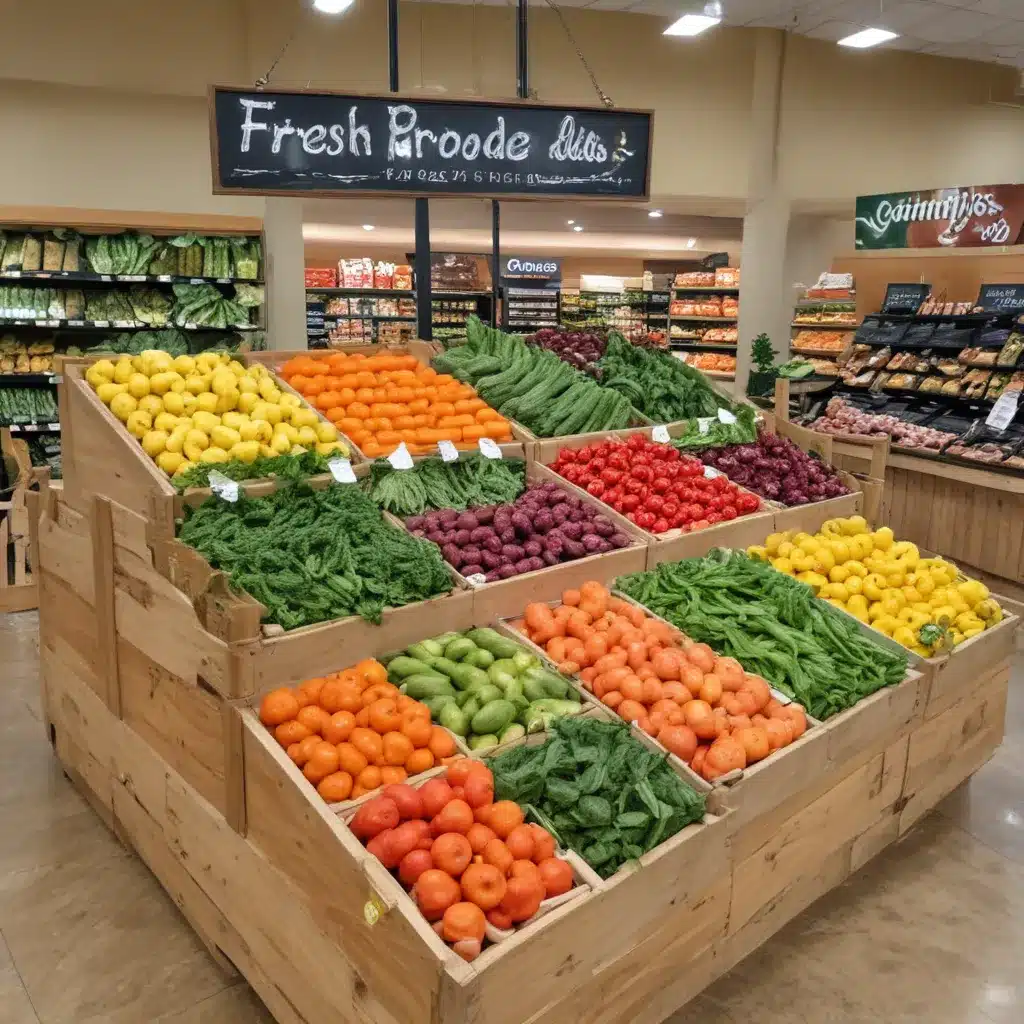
(835, 315)
(687, 332)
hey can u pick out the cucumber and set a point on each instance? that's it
(402, 666)
(512, 732)
(554, 685)
(437, 703)
(486, 693)
(459, 648)
(484, 742)
(490, 640)
(425, 685)
(471, 706)
(454, 718)
(442, 640)
(479, 658)
(534, 689)
(425, 651)
(466, 676)
(493, 717)
(445, 667)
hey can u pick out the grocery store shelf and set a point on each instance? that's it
(120, 325)
(704, 319)
(824, 325)
(819, 352)
(815, 303)
(707, 290)
(717, 374)
(460, 295)
(367, 316)
(27, 380)
(371, 292)
(84, 277)
(34, 428)
(701, 346)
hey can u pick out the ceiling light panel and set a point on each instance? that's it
(868, 37)
(691, 25)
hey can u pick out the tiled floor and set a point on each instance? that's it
(931, 931)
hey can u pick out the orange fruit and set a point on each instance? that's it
(295, 753)
(496, 853)
(463, 921)
(291, 732)
(384, 716)
(390, 775)
(368, 743)
(417, 729)
(323, 761)
(372, 671)
(278, 707)
(397, 748)
(441, 743)
(436, 891)
(505, 815)
(314, 718)
(306, 748)
(523, 897)
(350, 759)
(479, 836)
(556, 876)
(339, 726)
(543, 843)
(520, 842)
(369, 778)
(419, 761)
(451, 853)
(380, 691)
(363, 718)
(335, 787)
(309, 692)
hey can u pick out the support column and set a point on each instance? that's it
(765, 301)
(285, 273)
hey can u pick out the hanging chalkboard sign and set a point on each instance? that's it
(319, 143)
(904, 298)
(1001, 298)
(714, 260)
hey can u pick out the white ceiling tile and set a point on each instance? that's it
(1008, 33)
(834, 30)
(956, 26)
(1004, 8)
(742, 12)
(906, 16)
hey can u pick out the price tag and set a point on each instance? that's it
(400, 457)
(710, 473)
(478, 579)
(341, 470)
(58, 378)
(53, 426)
(76, 323)
(1003, 411)
(724, 416)
(489, 448)
(448, 451)
(123, 324)
(660, 434)
(223, 487)
(196, 280)
(131, 277)
(106, 277)
(703, 425)
(13, 273)
(101, 323)
(164, 278)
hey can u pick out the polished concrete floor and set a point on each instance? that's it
(931, 931)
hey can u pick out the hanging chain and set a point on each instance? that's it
(604, 97)
(264, 80)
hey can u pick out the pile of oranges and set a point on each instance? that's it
(353, 731)
(468, 861)
(380, 401)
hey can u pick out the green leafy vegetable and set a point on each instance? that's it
(311, 556)
(291, 468)
(598, 791)
(743, 431)
(773, 625)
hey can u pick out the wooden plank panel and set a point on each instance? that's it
(65, 551)
(299, 835)
(973, 661)
(66, 619)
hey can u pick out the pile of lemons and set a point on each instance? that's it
(922, 603)
(207, 408)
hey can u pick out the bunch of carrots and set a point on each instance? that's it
(380, 401)
(704, 708)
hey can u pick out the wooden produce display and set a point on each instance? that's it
(18, 589)
(152, 667)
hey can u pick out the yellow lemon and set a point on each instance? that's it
(771, 543)
(234, 420)
(176, 440)
(123, 405)
(236, 368)
(824, 562)
(876, 611)
(205, 421)
(944, 615)
(249, 431)
(326, 432)
(904, 635)
(165, 421)
(839, 592)
(307, 437)
(882, 538)
(287, 430)
(289, 401)
(207, 401)
(330, 447)
(972, 591)
(799, 539)
(160, 383)
(838, 573)
(174, 403)
(885, 624)
(896, 578)
(912, 595)
(855, 585)
(245, 451)
(840, 551)
(857, 569)
(123, 370)
(924, 584)
(855, 525)
(198, 438)
(247, 402)
(874, 585)
(973, 631)
(785, 549)
(154, 442)
(280, 444)
(152, 404)
(304, 417)
(195, 384)
(207, 361)
(223, 381)
(214, 454)
(268, 390)
(801, 562)
(138, 422)
(224, 437)
(248, 386)
(837, 603)
(100, 371)
(169, 461)
(185, 365)
(228, 401)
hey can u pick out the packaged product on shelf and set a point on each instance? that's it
(730, 307)
(337, 305)
(727, 277)
(902, 381)
(14, 248)
(406, 307)
(880, 382)
(357, 273)
(403, 277)
(996, 385)
(695, 279)
(974, 384)
(879, 359)
(1010, 352)
(721, 336)
(32, 254)
(72, 250)
(321, 277)
(387, 307)
(949, 367)
(383, 274)
(53, 253)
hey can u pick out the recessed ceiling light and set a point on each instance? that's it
(869, 37)
(691, 242)
(578, 227)
(368, 227)
(570, 222)
(691, 25)
(332, 6)
(654, 213)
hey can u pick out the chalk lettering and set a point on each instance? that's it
(249, 125)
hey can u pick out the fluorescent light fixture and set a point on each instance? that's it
(654, 213)
(691, 25)
(570, 222)
(332, 6)
(868, 37)
(691, 242)
(368, 227)
(578, 227)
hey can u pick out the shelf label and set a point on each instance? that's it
(196, 280)
(478, 579)
(106, 277)
(660, 434)
(13, 273)
(341, 470)
(1003, 411)
(726, 417)
(76, 323)
(53, 426)
(489, 448)
(101, 323)
(57, 378)
(400, 457)
(448, 451)
(710, 473)
(124, 324)
(703, 424)
(134, 278)
(164, 278)
(223, 486)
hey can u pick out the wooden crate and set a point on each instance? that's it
(318, 927)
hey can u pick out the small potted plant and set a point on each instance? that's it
(761, 381)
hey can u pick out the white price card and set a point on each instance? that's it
(400, 457)
(724, 416)
(703, 424)
(660, 434)
(1003, 411)
(223, 487)
(489, 448)
(478, 579)
(448, 451)
(76, 323)
(53, 426)
(341, 470)
(710, 472)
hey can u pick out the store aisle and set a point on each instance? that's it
(933, 929)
